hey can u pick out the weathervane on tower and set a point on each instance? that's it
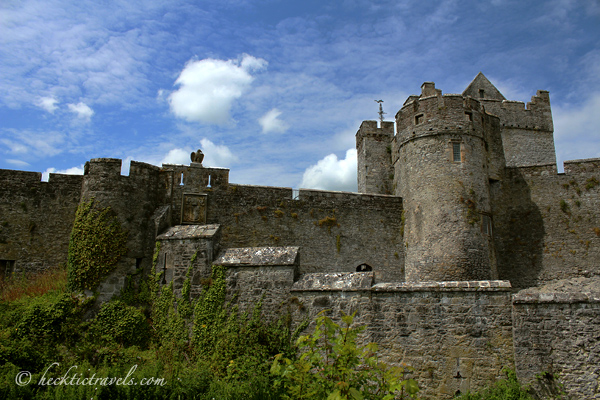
(381, 113)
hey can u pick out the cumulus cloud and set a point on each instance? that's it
(47, 103)
(208, 88)
(270, 122)
(82, 110)
(216, 155)
(177, 156)
(69, 171)
(332, 174)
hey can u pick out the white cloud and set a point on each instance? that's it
(83, 111)
(216, 155)
(69, 171)
(208, 88)
(177, 156)
(270, 122)
(18, 163)
(47, 103)
(332, 174)
(38, 144)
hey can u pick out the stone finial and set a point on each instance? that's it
(197, 156)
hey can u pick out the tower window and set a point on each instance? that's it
(481, 93)
(486, 224)
(418, 119)
(456, 152)
(469, 116)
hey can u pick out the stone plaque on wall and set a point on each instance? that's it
(193, 209)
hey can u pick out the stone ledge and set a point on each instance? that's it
(537, 298)
(259, 256)
(179, 232)
(341, 281)
(448, 286)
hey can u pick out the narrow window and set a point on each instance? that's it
(295, 194)
(181, 181)
(486, 224)
(209, 181)
(164, 274)
(418, 119)
(469, 116)
(456, 152)
(481, 93)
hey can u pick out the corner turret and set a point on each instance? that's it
(373, 146)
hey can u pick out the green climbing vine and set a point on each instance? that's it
(97, 243)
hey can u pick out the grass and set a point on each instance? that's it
(19, 286)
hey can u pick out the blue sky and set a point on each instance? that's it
(273, 90)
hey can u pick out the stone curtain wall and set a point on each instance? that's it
(335, 231)
(457, 335)
(547, 225)
(36, 218)
(558, 333)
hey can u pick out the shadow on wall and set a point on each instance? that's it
(518, 231)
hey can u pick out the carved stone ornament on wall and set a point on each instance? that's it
(193, 208)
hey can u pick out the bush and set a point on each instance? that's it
(122, 324)
(505, 389)
(331, 366)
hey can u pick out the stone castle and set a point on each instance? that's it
(464, 252)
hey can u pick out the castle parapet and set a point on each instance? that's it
(372, 130)
(103, 167)
(439, 114)
(588, 165)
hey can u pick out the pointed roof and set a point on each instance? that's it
(482, 88)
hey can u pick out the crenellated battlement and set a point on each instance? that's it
(103, 167)
(370, 129)
(536, 115)
(10, 177)
(438, 114)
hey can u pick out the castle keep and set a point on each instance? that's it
(465, 251)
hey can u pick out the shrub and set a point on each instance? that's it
(332, 366)
(122, 324)
(505, 389)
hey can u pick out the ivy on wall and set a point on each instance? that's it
(97, 243)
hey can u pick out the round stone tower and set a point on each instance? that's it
(441, 169)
